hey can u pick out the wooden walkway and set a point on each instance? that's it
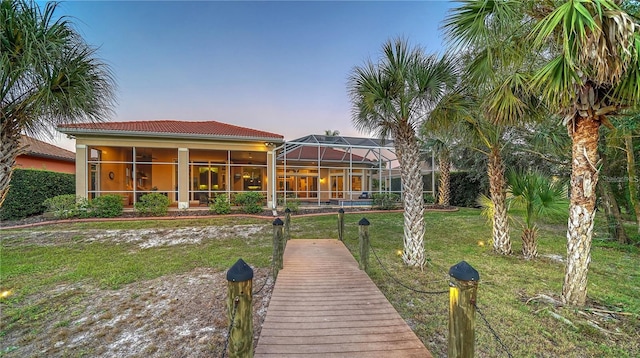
(324, 306)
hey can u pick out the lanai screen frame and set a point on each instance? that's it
(380, 151)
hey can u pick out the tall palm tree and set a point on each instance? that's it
(592, 73)
(585, 57)
(498, 76)
(391, 97)
(539, 196)
(488, 138)
(49, 75)
(443, 131)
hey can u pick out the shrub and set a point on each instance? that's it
(30, 188)
(386, 201)
(293, 205)
(221, 205)
(61, 206)
(429, 199)
(106, 206)
(154, 204)
(250, 201)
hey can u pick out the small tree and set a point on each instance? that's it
(539, 196)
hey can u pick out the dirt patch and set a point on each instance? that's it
(175, 315)
(182, 315)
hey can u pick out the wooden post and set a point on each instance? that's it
(278, 247)
(462, 309)
(363, 240)
(239, 310)
(287, 225)
(341, 224)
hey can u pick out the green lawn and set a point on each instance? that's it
(527, 329)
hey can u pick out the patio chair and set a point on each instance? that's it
(203, 199)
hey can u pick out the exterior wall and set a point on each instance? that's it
(186, 169)
(54, 165)
(171, 169)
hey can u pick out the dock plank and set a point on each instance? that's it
(322, 305)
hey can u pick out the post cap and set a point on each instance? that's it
(464, 272)
(341, 211)
(287, 210)
(278, 222)
(363, 222)
(240, 272)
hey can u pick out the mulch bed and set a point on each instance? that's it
(37, 220)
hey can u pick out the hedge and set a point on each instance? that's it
(29, 189)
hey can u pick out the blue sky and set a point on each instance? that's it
(275, 66)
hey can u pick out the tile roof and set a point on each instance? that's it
(165, 127)
(38, 148)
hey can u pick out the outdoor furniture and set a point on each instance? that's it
(203, 199)
(364, 195)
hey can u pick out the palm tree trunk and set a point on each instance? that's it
(584, 177)
(611, 208)
(529, 243)
(633, 181)
(9, 150)
(497, 189)
(444, 191)
(409, 153)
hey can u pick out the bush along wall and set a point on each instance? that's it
(30, 188)
(465, 189)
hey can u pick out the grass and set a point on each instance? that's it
(506, 283)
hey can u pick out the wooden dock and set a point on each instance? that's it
(324, 306)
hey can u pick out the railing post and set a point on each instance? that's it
(278, 246)
(463, 287)
(363, 240)
(341, 224)
(287, 225)
(239, 310)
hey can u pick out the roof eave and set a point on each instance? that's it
(77, 131)
(48, 156)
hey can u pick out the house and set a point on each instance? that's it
(188, 161)
(45, 156)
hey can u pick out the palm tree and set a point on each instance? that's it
(440, 144)
(539, 196)
(391, 97)
(593, 73)
(498, 78)
(488, 138)
(442, 131)
(49, 76)
(331, 133)
(586, 61)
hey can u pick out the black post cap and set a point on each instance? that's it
(363, 222)
(278, 222)
(341, 211)
(287, 210)
(464, 272)
(240, 272)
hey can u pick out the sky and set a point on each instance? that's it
(281, 67)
